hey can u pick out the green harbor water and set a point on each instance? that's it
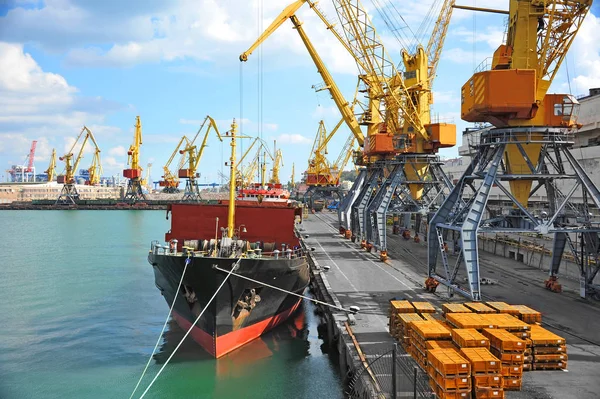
(80, 315)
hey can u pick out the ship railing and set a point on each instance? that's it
(288, 253)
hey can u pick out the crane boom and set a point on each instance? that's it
(133, 155)
(51, 171)
(380, 77)
(31, 156)
(437, 38)
(336, 94)
(277, 164)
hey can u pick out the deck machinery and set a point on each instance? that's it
(526, 151)
(402, 170)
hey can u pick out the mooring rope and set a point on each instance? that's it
(287, 292)
(187, 262)
(229, 273)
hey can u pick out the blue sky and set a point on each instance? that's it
(66, 63)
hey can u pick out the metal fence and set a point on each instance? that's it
(376, 380)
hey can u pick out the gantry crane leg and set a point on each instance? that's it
(395, 196)
(345, 209)
(377, 210)
(134, 191)
(192, 191)
(68, 195)
(359, 207)
(487, 170)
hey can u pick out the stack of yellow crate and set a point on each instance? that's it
(503, 307)
(449, 374)
(469, 320)
(469, 338)
(485, 368)
(420, 333)
(397, 308)
(511, 352)
(528, 315)
(486, 372)
(479, 307)
(423, 307)
(403, 328)
(549, 350)
(510, 324)
(455, 308)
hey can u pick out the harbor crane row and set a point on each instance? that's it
(525, 151)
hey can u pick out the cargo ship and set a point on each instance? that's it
(250, 233)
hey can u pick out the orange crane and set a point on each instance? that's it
(527, 144)
(170, 181)
(134, 173)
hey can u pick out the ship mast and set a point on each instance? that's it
(231, 214)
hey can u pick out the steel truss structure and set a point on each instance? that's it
(314, 193)
(192, 191)
(68, 195)
(556, 166)
(134, 191)
(345, 209)
(418, 171)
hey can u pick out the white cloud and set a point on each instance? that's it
(586, 53)
(322, 112)
(462, 56)
(118, 151)
(40, 105)
(293, 139)
(112, 163)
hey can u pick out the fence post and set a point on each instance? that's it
(416, 370)
(394, 376)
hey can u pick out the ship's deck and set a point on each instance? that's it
(359, 278)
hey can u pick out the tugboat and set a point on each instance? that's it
(258, 240)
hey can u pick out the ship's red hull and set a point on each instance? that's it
(218, 346)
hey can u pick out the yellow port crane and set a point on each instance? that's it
(277, 164)
(95, 169)
(323, 178)
(397, 117)
(134, 190)
(330, 84)
(528, 143)
(51, 171)
(146, 182)
(69, 194)
(170, 181)
(194, 155)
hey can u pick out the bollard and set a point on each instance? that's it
(415, 382)
(394, 376)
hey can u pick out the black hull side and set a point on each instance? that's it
(239, 304)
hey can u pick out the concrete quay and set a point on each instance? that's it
(355, 277)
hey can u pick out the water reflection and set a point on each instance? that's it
(289, 340)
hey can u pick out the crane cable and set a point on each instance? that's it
(187, 262)
(287, 292)
(229, 273)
